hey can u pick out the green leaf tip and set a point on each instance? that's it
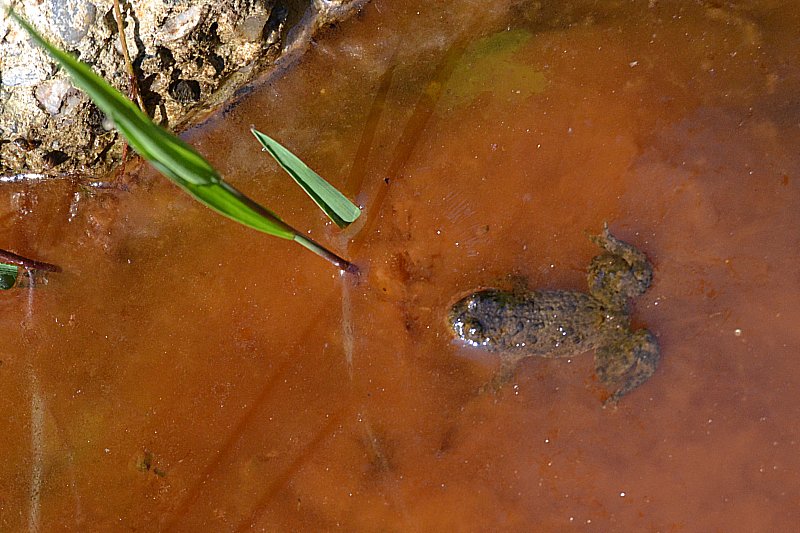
(338, 208)
(8, 276)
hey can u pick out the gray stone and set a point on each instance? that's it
(26, 74)
(72, 19)
(50, 94)
(180, 24)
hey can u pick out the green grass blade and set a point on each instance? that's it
(150, 141)
(8, 276)
(228, 201)
(338, 208)
(166, 152)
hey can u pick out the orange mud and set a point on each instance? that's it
(187, 374)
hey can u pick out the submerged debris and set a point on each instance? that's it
(11, 264)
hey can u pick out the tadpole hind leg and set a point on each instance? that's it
(637, 263)
(626, 363)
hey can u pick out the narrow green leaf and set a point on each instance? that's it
(166, 152)
(150, 141)
(338, 208)
(228, 201)
(8, 276)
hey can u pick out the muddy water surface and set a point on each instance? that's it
(186, 374)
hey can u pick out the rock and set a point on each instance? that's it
(26, 74)
(189, 57)
(50, 94)
(180, 25)
(72, 19)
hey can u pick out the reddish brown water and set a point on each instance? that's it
(187, 374)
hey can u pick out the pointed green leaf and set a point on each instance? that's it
(338, 208)
(8, 276)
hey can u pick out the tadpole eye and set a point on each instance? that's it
(467, 328)
(474, 330)
(464, 327)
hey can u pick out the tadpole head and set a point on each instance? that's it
(473, 319)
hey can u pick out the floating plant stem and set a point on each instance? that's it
(343, 264)
(172, 157)
(10, 264)
(14, 259)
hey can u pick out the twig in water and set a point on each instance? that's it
(14, 259)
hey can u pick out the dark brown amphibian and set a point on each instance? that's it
(520, 324)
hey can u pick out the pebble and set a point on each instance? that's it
(72, 19)
(50, 94)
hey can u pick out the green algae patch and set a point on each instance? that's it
(493, 64)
